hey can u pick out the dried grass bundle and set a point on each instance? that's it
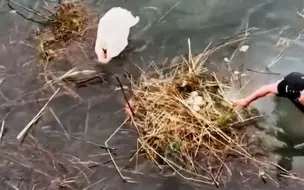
(69, 21)
(173, 133)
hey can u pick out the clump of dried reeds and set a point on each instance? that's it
(173, 133)
(69, 20)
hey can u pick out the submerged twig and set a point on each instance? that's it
(2, 130)
(167, 12)
(37, 116)
(261, 72)
(87, 119)
(220, 170)
(125, 96)
(29, 10)
(127, 179)
(245, 121)
(82, 83)
(59, 122)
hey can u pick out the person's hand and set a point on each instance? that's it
(301, 98)
(241, 103)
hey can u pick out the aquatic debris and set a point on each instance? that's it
(69, 21)
(113, 32)
(300, 14)
(299, 146)
(2, 130)
(284, 42)
(226, 60)
(13, 11)
(37, 116)
(244, 48)
(77, 73)
(236, 72)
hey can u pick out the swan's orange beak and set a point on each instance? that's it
(104, 53)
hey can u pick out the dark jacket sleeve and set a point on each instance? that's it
(288, 89)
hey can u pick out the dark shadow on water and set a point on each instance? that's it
(287, 114)
(287, 153)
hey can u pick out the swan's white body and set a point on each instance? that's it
(113, 32)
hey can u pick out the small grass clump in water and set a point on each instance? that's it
(69, 21)
(171, 132)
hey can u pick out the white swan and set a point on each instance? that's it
(113, 32)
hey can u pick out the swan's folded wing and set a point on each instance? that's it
(116, 46)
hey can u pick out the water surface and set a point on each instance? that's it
(95, 118)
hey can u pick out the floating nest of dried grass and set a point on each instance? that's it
(69, 22)
(193, 142)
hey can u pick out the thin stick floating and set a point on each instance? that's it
(2, 129)
(37, 116)
(261, 72)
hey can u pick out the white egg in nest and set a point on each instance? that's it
(194, 94)
(189, 101)
(195, 101)
(196, 108)
(198, 100)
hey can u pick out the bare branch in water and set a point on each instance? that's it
(125, 178)
(46, 10)
(124, 94)
(29, 10)
(38, 115)
(84, 82)
(261, 72)
(2, 130)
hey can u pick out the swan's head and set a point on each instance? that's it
(102, 53)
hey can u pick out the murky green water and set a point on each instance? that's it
(97, 116)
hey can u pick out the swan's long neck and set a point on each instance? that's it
(101, 50)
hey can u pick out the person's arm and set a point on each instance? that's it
(261, 92)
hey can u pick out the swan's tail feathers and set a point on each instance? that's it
(135, 21)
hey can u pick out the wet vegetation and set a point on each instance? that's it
(194, 142)
(179, 111)
(68, 22)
